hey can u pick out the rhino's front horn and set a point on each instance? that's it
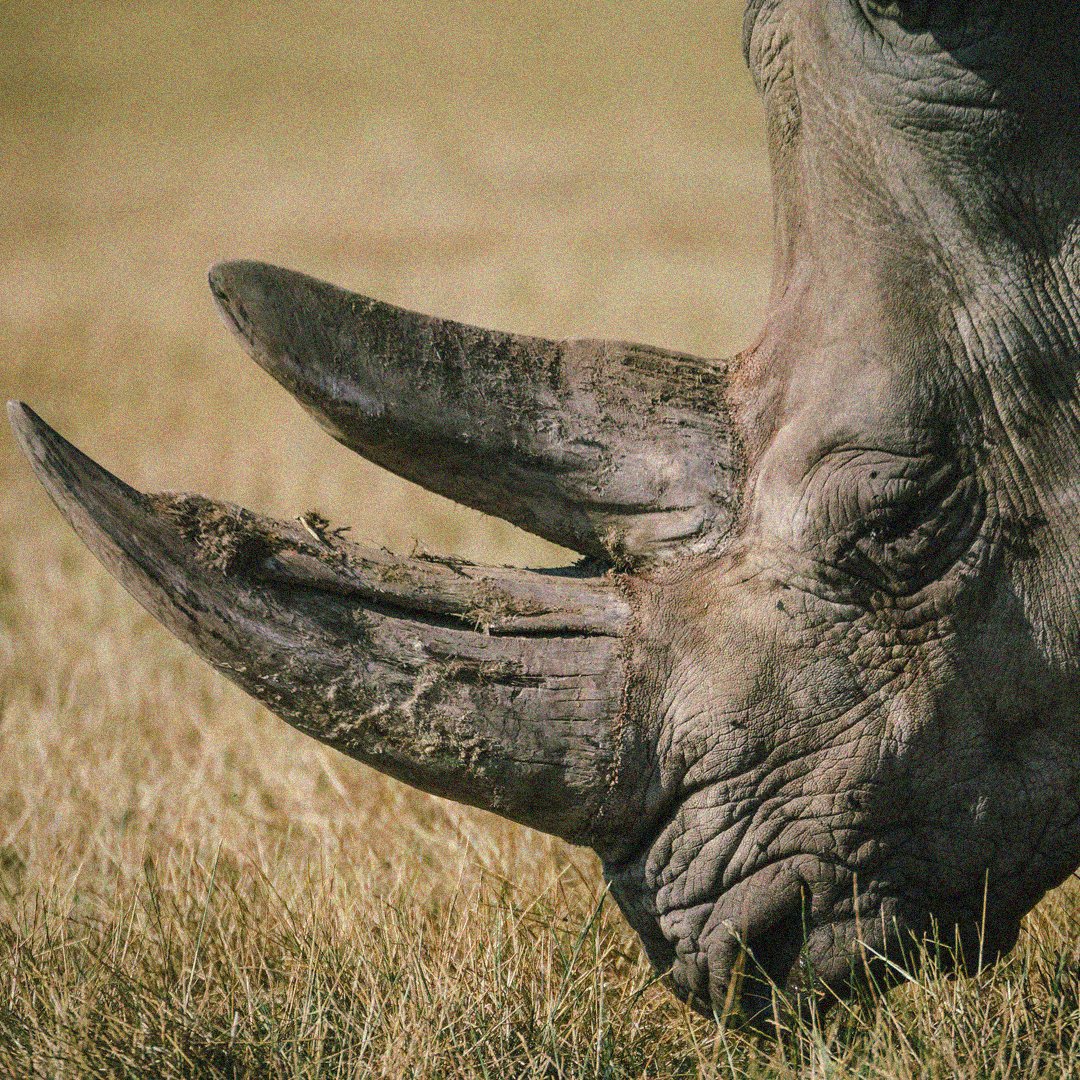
(622, 452)
(500, 688)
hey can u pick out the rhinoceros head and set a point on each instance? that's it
(813, 694)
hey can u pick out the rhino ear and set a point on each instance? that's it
(621, 452)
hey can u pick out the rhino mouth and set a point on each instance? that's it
(789, 965)
(799, 933)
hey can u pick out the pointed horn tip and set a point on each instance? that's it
(226, 281)
(217, 277)
(76, 483)
(31, 432)
(226, 276)
(257, 302)
(235, 281)
(21, 415)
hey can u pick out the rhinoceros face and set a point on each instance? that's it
(868, 714)
(814, 692)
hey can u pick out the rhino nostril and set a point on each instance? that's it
(772, 950)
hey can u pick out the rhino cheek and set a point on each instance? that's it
(826, 798)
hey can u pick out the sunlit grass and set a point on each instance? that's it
(187, 887)
(277, 964)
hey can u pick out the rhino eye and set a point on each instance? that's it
(907, 533)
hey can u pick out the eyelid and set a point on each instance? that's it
(847, 502)
(936, 489)
(848, 482)
(942, 526)
(926, 508)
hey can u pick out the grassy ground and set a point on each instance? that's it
(187, 887)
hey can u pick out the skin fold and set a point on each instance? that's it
(813, 693)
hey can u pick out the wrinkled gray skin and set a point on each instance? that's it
(816, 688)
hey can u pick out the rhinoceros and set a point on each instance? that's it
(812, 693)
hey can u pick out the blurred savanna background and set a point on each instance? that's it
(188, 887)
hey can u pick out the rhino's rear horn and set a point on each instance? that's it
(621, 452)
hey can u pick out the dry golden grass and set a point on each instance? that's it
(187, 887)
